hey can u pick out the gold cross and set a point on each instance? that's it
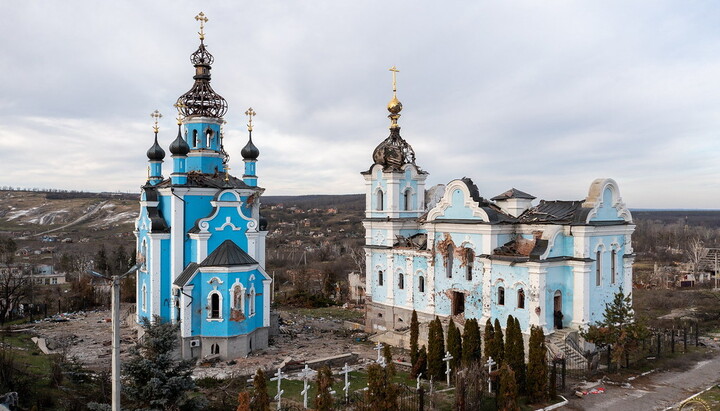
(394, 71)
(202, 19)
(156, 115)
(250, 113)
(227, 172)
(179, 107)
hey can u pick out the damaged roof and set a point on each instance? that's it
(216, 180)
(523, 247)
(558, 212)
(513, 193)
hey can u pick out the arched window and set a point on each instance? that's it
(613, 266)
(214, 305)
(238, 298)
(379, 200)
(143, 255)
(470, 258)
(401, 281)
(449, 262)
(380, 277)
(252, 301)
(195, 139)
(421, 284)
(501, 296)
(144, 297)
(598, 268)
(407, 197)
(209, 136)
(521, 298)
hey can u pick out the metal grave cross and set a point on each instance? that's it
(417, 387)
(379, 347)
(278, 376)
(306, 374)
(346, 387)
(490, 362)
(447, 359)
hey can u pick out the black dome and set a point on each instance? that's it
(179, 147)
(263, 225)
(156, 153)
(250, 152)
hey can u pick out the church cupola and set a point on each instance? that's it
(179, 149)
(250, 153)
(203, 110)
(395, 185)
(155, 154)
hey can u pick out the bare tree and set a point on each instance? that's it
(696, 252)
(14, 287)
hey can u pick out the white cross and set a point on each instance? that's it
(490, 364)
(278, 377)
(346, 388)
(379, 347)
(417, 387)
(447, 359)
(306, 374)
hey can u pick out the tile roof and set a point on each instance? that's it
(227, 254)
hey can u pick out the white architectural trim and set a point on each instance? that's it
(186, 310)
(201, 249)
(594, 199)
(446, 201)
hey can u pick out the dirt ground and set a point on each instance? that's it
(87, 336)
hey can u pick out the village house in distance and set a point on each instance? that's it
(200, 234)
(449, 252)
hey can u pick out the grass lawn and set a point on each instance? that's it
(711, 398)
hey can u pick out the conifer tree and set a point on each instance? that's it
(519, 366)
(471, 345)
(454, 345)
(436, 351)
(153, 377)
(414, 336)
(537, 366)
(243, 401)
(509, 341)
(420, 366)
(489, 341)
(498, 342)
(381, 393)
(260, 399)
(508, 396)
(389, 366)
(324, 399)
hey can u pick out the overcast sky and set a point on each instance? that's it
(541, 96)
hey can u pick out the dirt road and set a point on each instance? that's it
(656, 391)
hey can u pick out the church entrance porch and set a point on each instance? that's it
(458, 303)
(557, 310)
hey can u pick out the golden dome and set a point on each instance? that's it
(394, 106)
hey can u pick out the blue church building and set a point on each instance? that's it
(447, 251)
(200, 235)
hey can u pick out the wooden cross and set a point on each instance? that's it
(394, 71)
(156, 115)
(278, 376)
(250, 113)
(306, 374)
(490, 362)
(346, 387)
(447, 359)
(202, 19)
(379, 347)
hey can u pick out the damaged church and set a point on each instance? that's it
(449, 252)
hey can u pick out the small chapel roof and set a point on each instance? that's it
(227, 254)
(513, 193)
(186, 275)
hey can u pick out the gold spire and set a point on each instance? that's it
(179, 107)
(156, 115)
(202, 19)
(250, 113)
(394, 106)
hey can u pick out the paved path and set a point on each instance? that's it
(656, 391)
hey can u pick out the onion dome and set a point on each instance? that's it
(156, 153)
(201, 100)
(179, 147)
(394, 151)
(250, 152)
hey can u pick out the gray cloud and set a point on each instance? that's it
(544, 97)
